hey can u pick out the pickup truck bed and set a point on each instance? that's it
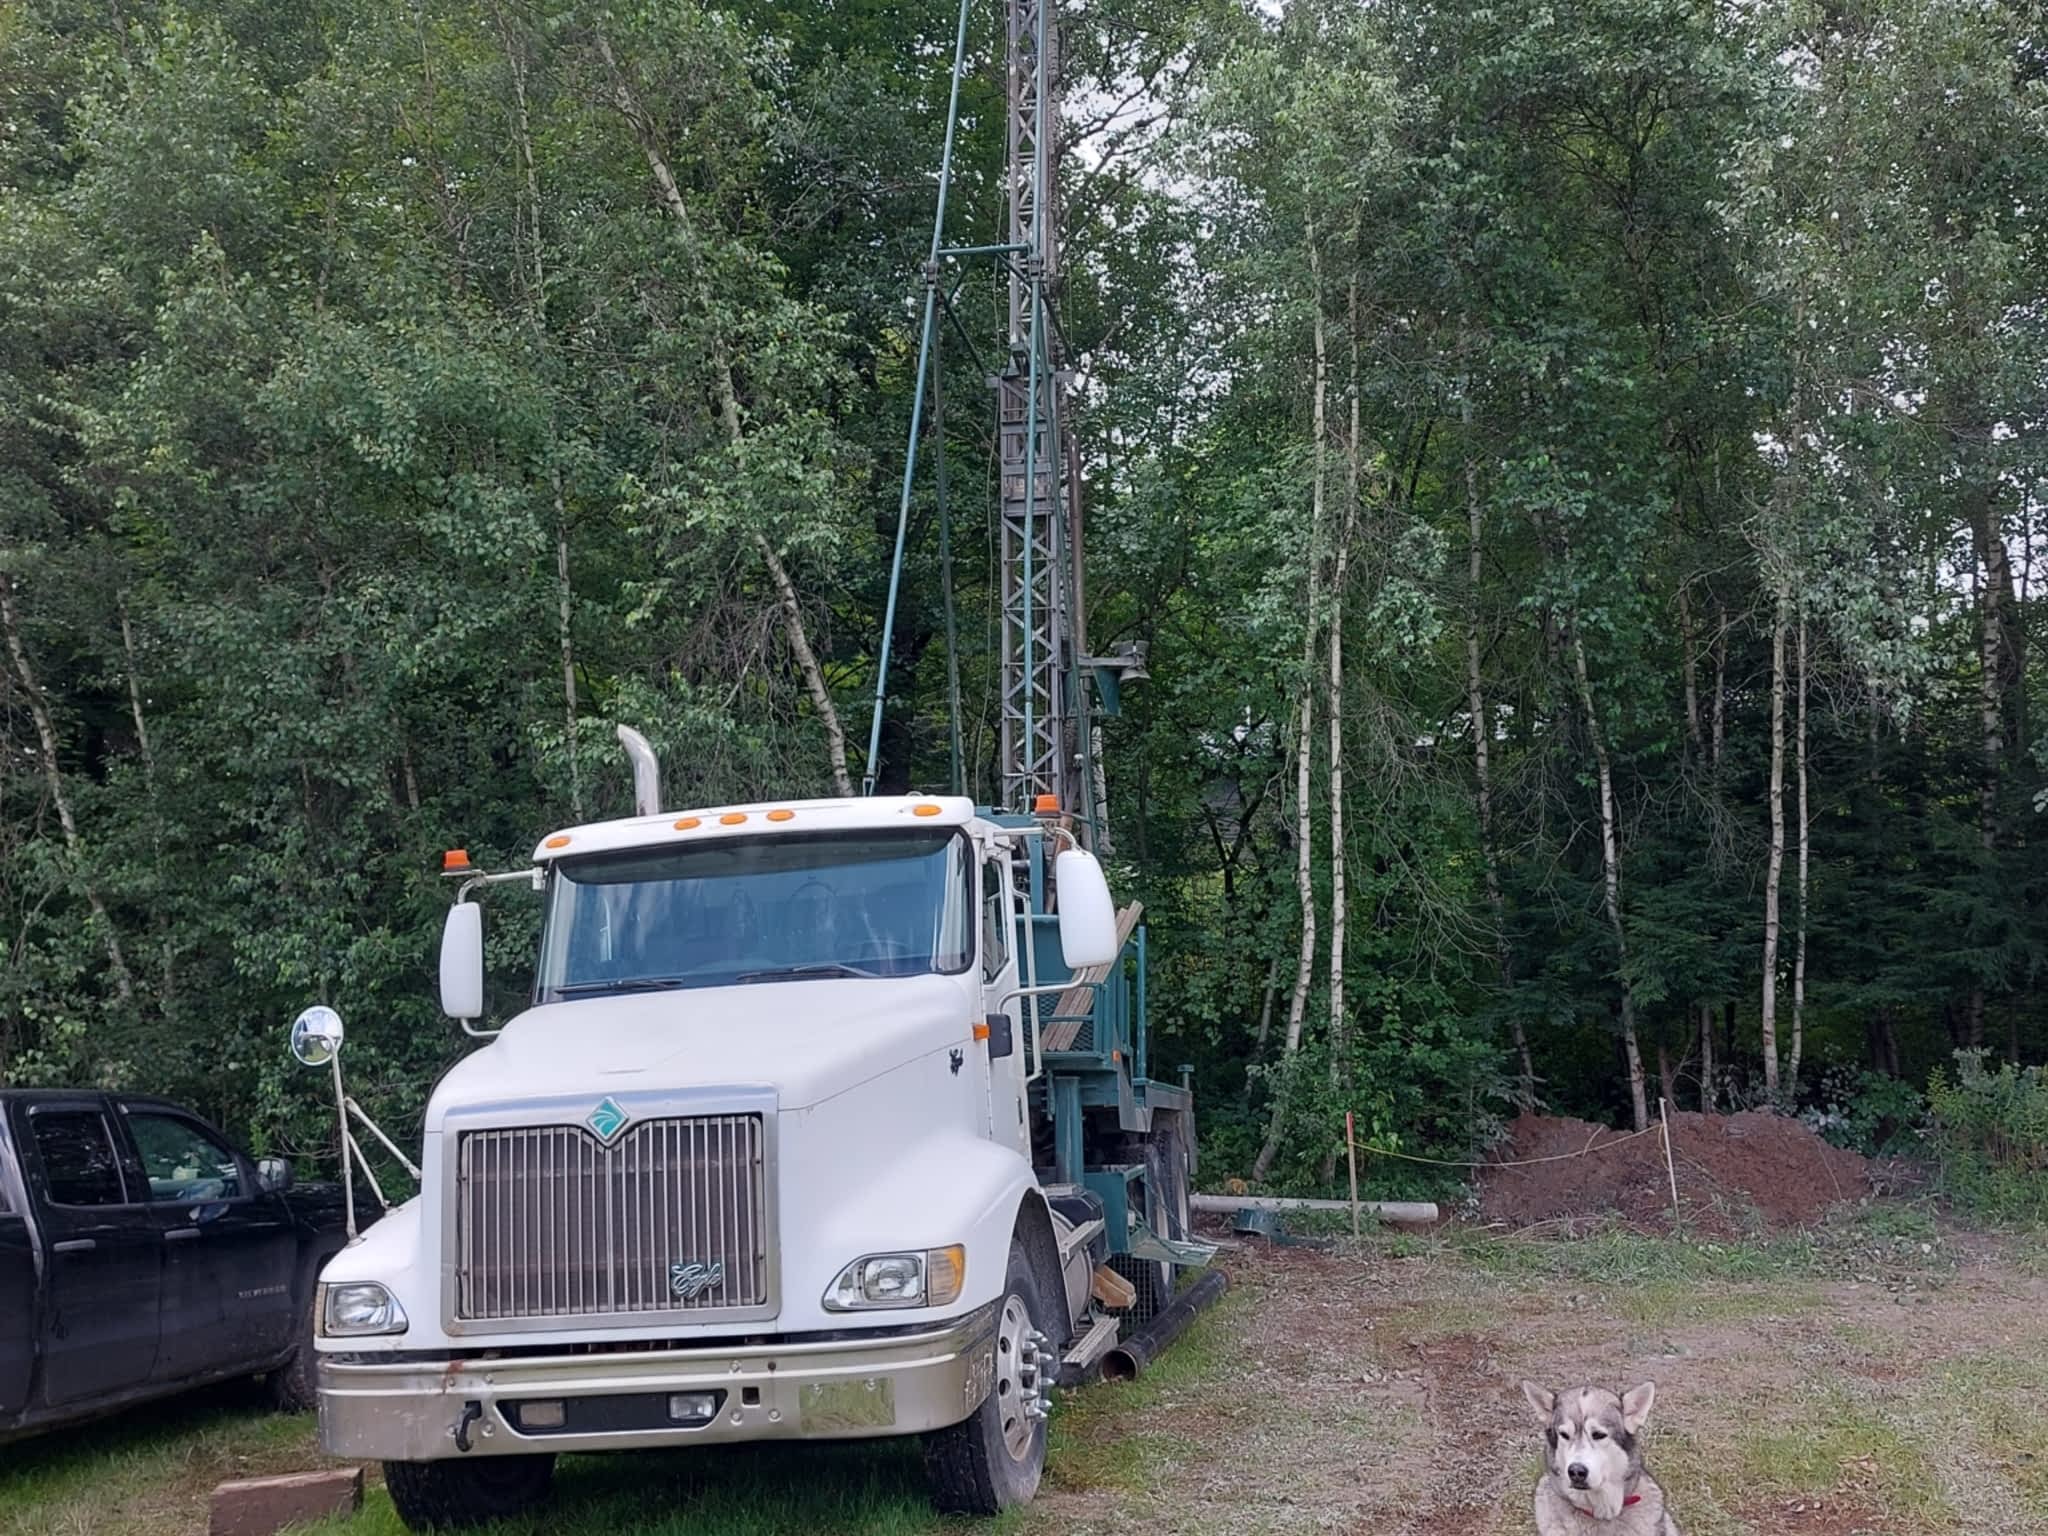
(141, 1254)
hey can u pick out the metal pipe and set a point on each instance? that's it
(646, 772)
(1132, 1355)
(1405, 1211)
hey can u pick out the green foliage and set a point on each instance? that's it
(1867, 1111)
(1990, 1133)
(368, 451)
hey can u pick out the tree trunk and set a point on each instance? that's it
(536, 311)
(1805, 884)
(1994, 572)
(1482, 749)
(1304, 751)
(1720, 684)
(1690, 667)
(1708, 1097)
(167, 981)
(729, 414)
(1610, 868)
(1774, 871)
(1340, 1068)
(53, 778)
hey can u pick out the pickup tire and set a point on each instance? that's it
(992, 1460)
(454, 1495)
(294, 1387)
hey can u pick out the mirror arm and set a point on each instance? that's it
(377, 1131)
(534, 877)
(1037, 1059)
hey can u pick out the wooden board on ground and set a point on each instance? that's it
(262, 1506)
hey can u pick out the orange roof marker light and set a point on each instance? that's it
(558, 842)
(689, 824)
(1046, 805)
(732, 818)
(456, 862)
(782, 815)
(926, 809)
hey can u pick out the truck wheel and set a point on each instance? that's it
(454, 1495)
(1167, 1157)
(993, 1459)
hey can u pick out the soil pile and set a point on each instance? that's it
(1736, 1173)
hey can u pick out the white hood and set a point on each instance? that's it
(810, 1039)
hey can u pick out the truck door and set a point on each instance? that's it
(1009, 1117)
(229, 1249)
(105, 1260)
(18, 1316)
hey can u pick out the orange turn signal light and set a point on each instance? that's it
(981, 1031)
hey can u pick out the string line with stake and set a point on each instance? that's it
(1670, 1167)
(1587, 1150)
(1351, 1157)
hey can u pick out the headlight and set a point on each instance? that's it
(933, 1278)
(361, 1309)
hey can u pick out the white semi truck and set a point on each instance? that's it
(829, 1120)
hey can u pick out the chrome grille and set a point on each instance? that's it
(551, 1222)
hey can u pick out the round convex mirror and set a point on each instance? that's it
(316, 1036)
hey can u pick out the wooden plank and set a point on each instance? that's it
(264, 1505)
(1078, 1001)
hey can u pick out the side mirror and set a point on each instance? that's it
(1087, 912)
(273, 1175)
(316, 1036)
(462, 962)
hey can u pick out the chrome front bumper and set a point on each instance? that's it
(840, 1389)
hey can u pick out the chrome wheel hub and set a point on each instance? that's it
(1024, 1370)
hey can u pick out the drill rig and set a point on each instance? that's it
(1104, 1127)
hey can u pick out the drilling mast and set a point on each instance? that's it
(1044, 738)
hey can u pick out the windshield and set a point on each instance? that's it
(735, 911)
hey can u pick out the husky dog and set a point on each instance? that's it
(1593, 1479)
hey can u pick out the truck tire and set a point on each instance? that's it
(455, 1495)
(992, 1460)
(1168, 1157)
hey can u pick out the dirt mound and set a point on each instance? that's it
(1735, 1173)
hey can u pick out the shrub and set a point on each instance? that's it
(1990, 1132)
(1867, 1112)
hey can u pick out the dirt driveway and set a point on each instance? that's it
(1888, 1378)
(1882, 1376)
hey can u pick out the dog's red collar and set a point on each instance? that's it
(1634, 1498)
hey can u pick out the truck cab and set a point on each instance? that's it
(776, 1152)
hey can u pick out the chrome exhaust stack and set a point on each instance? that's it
(646, 772)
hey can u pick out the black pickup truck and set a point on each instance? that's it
(142, 1253)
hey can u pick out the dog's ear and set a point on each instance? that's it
(1635, 1405)
(1541, 1399)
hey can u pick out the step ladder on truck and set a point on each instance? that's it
(829, 1119)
